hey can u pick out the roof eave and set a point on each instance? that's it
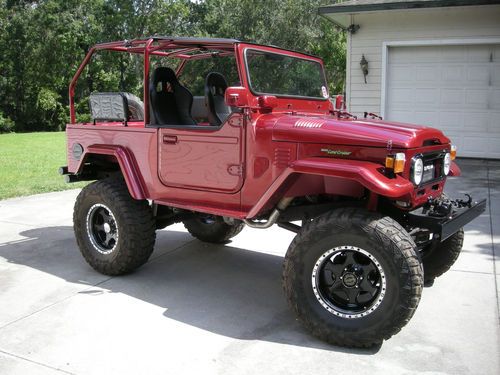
(339, 14)
(414, 4)
(341, 20)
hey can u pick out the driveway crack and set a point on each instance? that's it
(493, 241)
(35, 362)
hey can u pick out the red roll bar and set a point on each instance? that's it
(153, 46)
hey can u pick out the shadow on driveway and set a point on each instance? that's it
(222, 289)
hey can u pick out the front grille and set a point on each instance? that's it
(433, 167)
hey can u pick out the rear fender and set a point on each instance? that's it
(366, 174)
(128, 167)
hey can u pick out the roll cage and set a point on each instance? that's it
(184, 49)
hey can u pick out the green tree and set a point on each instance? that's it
(293, 24)
(14, 43)
(43, 42)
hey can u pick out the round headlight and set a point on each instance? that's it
(417, 171)
(447, 163)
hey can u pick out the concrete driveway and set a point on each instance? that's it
(199, 308)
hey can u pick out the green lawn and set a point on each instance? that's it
(29, 164)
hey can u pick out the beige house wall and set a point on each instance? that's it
(379, 32)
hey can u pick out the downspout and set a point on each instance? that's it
(348, 68)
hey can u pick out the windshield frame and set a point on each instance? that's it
(283, 53)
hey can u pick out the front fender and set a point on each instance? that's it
(368, 174)
(455, 170)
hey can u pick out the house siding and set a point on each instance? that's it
(411, 25)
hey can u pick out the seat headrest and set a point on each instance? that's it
(216, 80)
(164, 74)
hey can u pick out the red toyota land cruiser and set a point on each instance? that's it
(263, 146)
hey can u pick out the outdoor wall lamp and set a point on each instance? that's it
(353, 28)
(364, 66)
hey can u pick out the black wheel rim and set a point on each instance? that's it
(348, 282)
(102, 229)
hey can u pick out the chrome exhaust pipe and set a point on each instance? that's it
(273, 218)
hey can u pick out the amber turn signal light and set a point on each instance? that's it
(396, 162)
(453, 152)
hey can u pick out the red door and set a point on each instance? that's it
(203, 157)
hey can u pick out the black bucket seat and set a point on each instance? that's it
(170, 102)
(215, 87)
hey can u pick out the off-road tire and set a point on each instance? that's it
(383, 238)
(439, 257)
(216, 231)
(134, 220)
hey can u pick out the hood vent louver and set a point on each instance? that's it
(309, 123)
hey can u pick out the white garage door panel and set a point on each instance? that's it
(453, 88)
(495, 98)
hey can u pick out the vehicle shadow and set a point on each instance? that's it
(218, 288)
(481, 179)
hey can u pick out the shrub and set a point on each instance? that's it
(6, 124)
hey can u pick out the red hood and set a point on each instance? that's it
(372, 133)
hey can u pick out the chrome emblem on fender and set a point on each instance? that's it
(336, 152)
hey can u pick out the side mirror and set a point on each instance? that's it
(339, 103)
(236, 97)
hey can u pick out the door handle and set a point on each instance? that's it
(170, 139)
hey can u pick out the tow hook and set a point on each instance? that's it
(461, 203)
(438, 208)
(445, 207)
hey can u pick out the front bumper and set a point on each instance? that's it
(445, 217)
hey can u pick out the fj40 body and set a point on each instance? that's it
(260, 144)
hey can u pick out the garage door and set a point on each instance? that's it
(452, 88)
